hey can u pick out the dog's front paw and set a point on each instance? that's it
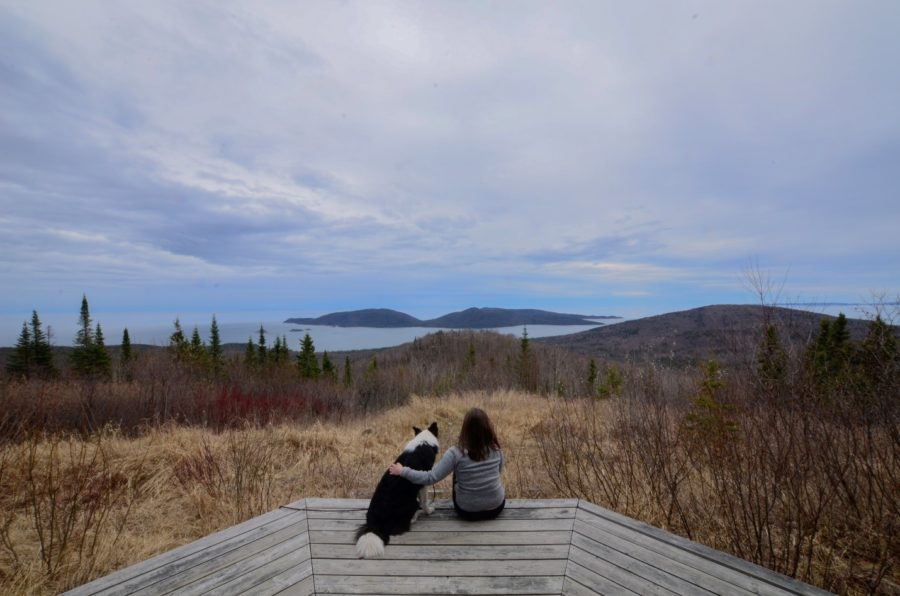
(429, 509)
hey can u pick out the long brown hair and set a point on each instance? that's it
(477, 436)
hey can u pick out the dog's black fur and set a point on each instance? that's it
(395, 501)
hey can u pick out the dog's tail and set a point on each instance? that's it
(369, 545)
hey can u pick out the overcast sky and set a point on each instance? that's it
(306, 157)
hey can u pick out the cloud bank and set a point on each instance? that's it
(318, 156)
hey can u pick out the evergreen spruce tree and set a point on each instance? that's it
(348, 372)
(711, 420)
(817, 354)
(592, 378)
(275, 352)
(328, 369)
(829, 358)
(771, 362)
(21, 361)
(215, 347)
(841, 348)
(528, 374)
(82, 355)
(101, 363)
(280, 351)
(878, 357)
(306, 359)
(612, 384)
(41, 350)
(126, 356)
(197, 350)
(85, 335)
(178, 344)
(262, 355)
(250, 354)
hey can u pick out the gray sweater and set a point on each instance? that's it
(478, 486)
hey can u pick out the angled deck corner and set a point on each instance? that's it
(538, 547)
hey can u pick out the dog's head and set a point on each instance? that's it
(424, 437)
(433, 429)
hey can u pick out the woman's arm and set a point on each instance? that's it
(440, 471)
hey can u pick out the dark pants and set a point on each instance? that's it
(477, 515)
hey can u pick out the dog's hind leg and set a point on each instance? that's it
(427, 507)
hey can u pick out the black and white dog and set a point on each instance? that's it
(396, 501)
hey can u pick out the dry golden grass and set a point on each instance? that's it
(128, 499)
(178, 484)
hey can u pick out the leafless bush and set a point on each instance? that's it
(75, 500)
(239, 477)
(797, 490)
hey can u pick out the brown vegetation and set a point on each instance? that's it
(788, 457)
(119, 500)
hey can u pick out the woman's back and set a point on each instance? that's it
(477, 483)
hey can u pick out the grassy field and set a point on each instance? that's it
(797, 473)
(127, 499)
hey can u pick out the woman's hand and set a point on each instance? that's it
(395, 469)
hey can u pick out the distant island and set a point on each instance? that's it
(471, 318)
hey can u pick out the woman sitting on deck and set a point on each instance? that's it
(476, 462)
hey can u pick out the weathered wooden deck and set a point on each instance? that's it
(534, 547)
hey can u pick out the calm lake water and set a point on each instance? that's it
(237, 327)
(146, 329)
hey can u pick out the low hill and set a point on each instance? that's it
(369, 317)
(471, 318)
(485, 318)
(723, 332)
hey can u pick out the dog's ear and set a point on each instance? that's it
(433, 429)
(416, 430)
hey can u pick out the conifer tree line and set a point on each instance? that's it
(257, 356)
(196, 352)
(90, 358)
(832, 361)
(33, 355)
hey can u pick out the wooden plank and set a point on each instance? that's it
(379, 584)
(359, 515)
(620, 575)
(179, 575)
(573, 588)
(445, 551)
(661, 561)
(724, 559)
(247, 531)
(246, 584)
(468, 568)
(296, 505)
(646, 573)
(453, 525)
(319, 503)
(712, 567)
(306, 587)
(296, 580)
(451, 538)
(245, 574)
(588, 581)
